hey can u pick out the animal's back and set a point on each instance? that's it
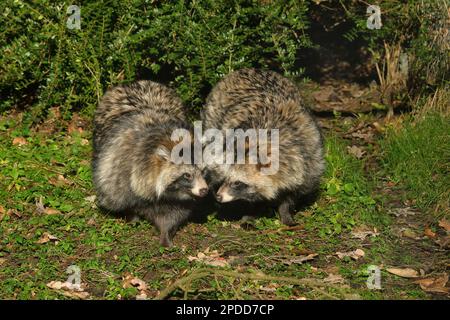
(252, 98)
(153, 103)
(258, 99)
(127, 118)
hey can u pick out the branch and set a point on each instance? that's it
(207, 272)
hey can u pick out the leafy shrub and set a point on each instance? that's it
(189, 44)
(419, 27)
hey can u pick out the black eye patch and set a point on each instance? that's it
(238, 185)
(180, 183)
(187, 176)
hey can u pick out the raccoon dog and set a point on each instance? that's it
(132, 169)
(257, 99)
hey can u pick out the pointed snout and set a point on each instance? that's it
(200, 188)
(203, 192)
(223, 195)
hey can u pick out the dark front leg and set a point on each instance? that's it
(166, 228)
(168, 224)
(285, 211)
(132, 218)
(165, 239)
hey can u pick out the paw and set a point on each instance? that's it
(165, 241)
(287, 220)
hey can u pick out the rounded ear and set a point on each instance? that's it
(163, 152)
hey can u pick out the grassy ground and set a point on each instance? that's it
(374, 186)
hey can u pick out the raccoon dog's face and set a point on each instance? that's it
(178, 181)
(237, 190)
(243, 182)
(187, 183)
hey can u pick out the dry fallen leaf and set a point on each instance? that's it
(301, 259)
(271, 287)
(403, 212)
(331, 269)
(142, 296)
(12, 212)
(356, 151)
(130, 281)
(46, 237)
(378, 127)
(58, 285)
(76, 295)
(69, 289)
(444, 224)
(403, 272)
(76, 124)
(51, 211)
(59, 180)
(429, 233)
(363, 232)
(55, 112)
(410, 234)
(434, 284)
(314, 269)
(73, 128)
(355, 255)
(212, 258)
(368, 137)
(41, 209)
(2, 261)
(391, 184)
(20, 141)
(334, 278)
(53, 181)
(90, 199)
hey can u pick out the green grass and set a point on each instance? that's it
(346, 193)
(417, 157)
(107, 249)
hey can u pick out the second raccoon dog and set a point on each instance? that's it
(257, 99)
(132, 169)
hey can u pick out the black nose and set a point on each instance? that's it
(219, 197)
(203, 192)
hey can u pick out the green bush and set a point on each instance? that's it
(189, 44)
(419, 27)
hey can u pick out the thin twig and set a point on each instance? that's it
(206, 272)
